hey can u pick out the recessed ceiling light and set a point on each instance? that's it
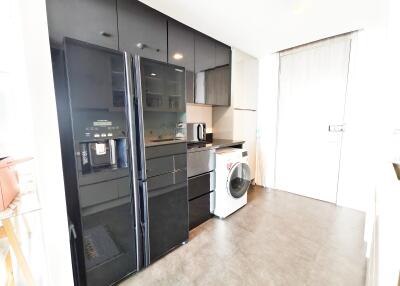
(177, 56)
(153, 74)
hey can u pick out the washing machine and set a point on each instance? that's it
(232, 181)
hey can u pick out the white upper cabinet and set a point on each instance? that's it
(244, 80)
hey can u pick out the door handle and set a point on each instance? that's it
(336, 128)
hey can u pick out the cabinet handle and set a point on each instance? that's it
(141, 46)
(144, 46)
(105, 34)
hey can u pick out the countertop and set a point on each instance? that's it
(149, 143)
(215, 144)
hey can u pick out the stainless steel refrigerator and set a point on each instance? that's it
(100, 112)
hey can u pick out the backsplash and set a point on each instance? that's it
(200, 113)
(165, 130)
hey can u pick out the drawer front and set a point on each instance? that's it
(200, 162)
(199, 211)
(158, 166)
(165, 150)
(161, 181)
(199, 185)
(168, 219)
(180, 161)
(180, 176)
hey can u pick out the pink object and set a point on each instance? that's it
(9, 188)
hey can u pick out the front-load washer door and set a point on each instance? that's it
(239, 180)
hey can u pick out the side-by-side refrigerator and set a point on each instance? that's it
(102, 150)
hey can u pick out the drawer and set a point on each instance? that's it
(180, 176)
(161, 181)
(165, 150)
(158, 166)
(200, 162)
(180, 161)
(199, 185)
(199, 210)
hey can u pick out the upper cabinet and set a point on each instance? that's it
(129, 25)
(204, 53)
(142, 30)
(181, 53)
(93, 21)
(222, 55)
(212, 71)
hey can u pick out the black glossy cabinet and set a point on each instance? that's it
(163, 86)
(222, 55)
(167, 198)
(142, 30)
(92, 21)
(212, 71)
(181, 52)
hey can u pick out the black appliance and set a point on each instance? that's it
(109, 205)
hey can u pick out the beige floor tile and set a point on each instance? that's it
(277, 239)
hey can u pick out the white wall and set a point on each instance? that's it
(370, 118)
(267, 119)
(200, 113)
(30, 102)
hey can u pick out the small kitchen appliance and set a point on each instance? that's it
(196, 132)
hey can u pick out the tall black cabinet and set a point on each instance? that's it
(92, 21)
(141, 30)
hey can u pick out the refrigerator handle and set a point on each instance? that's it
(145, 225)
(140, 121)
(132, 153)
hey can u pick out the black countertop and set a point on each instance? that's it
(215, 144)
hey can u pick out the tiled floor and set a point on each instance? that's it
(276, 239)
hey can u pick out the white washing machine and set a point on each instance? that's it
(233, 179)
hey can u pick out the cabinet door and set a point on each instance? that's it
(222, 55)
(93, 21)
(218, 86)
(181, 53)
(204, 59)
(204, 53)
(142, 30)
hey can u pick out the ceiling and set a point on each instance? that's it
(258, 27)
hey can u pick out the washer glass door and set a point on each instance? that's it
(239, 180)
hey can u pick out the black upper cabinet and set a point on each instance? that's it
(93, 21)
(204, 53)
(212, 71)
(142, 30)
(181, 53)
(222, 55)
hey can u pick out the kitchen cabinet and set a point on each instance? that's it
(212, 71)
(204, 53)
(163, 86)
(218, 86)
(244, 81)
(181, 53)
(222, 55)
(93, 21)
(142, 30)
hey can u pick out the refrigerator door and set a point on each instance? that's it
(103, 200)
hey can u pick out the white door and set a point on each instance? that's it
(312, 93)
